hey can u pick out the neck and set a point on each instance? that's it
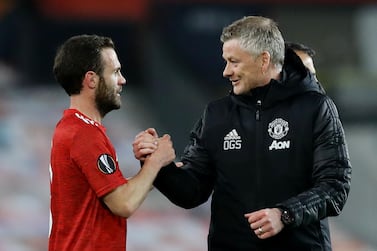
(267, 79)
(85, 107)
(276, 72)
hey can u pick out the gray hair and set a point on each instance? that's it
(257, 34)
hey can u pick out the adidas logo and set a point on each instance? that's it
(232, 135)
(232, 141)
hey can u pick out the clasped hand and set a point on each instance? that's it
(147, 143)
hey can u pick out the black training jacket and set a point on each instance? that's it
(282, 145)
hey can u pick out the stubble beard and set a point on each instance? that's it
(106, 98)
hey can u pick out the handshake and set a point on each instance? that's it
(148, 147)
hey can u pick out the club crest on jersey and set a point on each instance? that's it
(277, 130)
(106, 164)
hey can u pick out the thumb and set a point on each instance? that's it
(152, 132)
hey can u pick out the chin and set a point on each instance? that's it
(237, 91)
(117, 106)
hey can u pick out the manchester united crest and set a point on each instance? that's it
(278, 128)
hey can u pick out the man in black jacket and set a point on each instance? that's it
(272, 153)
(305, 53)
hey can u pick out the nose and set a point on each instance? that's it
(227, 71)
(122, 80)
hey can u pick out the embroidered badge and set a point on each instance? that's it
(106, 164)
(278, 128)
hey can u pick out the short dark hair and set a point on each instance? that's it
(76, 56)
(300, 47)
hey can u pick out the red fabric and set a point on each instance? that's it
(297, 2)
(95, 9)
(80, 220)
(5, 7)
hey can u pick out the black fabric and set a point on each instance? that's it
(281, 145)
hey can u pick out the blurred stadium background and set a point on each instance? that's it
(171, 57)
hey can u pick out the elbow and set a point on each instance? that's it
(123, 210)
(338, 202)
(120, 203)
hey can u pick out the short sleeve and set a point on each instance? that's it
(95, 156)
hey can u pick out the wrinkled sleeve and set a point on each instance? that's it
(192, 184)
(331, 173)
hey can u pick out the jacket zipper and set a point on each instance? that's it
(258, 160)
(257, 113)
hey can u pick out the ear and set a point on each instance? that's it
(265, 61)
(91, 79)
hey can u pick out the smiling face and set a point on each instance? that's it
(245, 71)
(107, 96)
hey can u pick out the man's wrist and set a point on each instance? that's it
(286, 217)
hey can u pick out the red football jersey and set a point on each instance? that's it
(84, 168)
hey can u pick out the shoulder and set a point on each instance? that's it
(312, 99)
(320, 101)
(219, 104)
(81, 128)
(327, 108)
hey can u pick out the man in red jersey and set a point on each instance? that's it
(90, 198)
